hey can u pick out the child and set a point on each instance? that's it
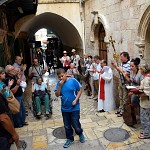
(145, 103)
(70, 91)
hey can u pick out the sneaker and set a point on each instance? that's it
(68, 143)
(91, 97)
(120, 115)
(47, 113)
(81, 138)
(95, 98)
(118, 112)
(101, 111)
(39, 114)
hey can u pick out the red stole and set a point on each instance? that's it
(102, 89)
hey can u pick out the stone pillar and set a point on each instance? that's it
(141, 49)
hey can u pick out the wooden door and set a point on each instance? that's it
(102, 44)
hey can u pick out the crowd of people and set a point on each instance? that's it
(96, 78)
(133, 89)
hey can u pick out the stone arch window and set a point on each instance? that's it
(143, 29)
(102, 44)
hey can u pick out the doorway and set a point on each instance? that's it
(102, 44)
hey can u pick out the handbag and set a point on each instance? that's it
(13, 103)
(40, 94)
(67, 63)
(129, 115)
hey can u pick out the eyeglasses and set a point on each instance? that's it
(12, 69)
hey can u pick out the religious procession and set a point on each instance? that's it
(86, 89)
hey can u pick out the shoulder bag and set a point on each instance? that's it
(13, 103)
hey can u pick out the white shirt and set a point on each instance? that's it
(75, 59)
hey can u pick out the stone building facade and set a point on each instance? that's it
(127, 22)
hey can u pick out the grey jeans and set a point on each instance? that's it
(145, 120)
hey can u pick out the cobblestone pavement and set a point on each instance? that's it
(38, 134)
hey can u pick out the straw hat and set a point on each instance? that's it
(73, 50)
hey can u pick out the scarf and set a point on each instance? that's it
(102, 89)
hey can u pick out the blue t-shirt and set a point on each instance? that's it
(68, 94)
(42, 87)
(6, 93)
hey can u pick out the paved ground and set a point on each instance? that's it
(38, 134)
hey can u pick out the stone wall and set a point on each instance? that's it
(121, 20)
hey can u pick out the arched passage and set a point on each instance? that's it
(99, 34)
(66, 31)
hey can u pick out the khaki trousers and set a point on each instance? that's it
(123, 96)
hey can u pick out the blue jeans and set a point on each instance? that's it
(4, 143)
(19, 118)
(71, 119)
(135, 100)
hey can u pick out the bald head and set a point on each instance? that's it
(85, 55)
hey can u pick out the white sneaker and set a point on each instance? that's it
(39, 113)
(47, 113)
(91, 97)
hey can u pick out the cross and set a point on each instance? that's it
(112, 43)
(115, 55)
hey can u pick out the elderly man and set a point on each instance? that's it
(85, 59)
(19, 118)
(21, 67)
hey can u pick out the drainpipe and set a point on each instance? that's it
(83, 23)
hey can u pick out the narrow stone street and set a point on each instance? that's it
(39, 133)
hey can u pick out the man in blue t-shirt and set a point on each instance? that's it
(70, 91)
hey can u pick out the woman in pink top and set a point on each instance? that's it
(65, 60)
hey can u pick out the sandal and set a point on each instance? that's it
(120, 115)
(142, 136)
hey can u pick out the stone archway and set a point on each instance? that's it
(99, 35)
(143, 40)
(61, 27)
(65, 30)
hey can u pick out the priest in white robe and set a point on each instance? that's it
(105, 96)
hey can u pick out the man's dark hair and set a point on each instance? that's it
(90, 57)
(125, 54)
(17, 56)
(60, 70)
(136, 61)
(104, 61)
(96, 57)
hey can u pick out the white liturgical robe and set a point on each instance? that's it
(107, 103)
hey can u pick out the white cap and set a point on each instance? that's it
(64, 52)
(73, 50)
